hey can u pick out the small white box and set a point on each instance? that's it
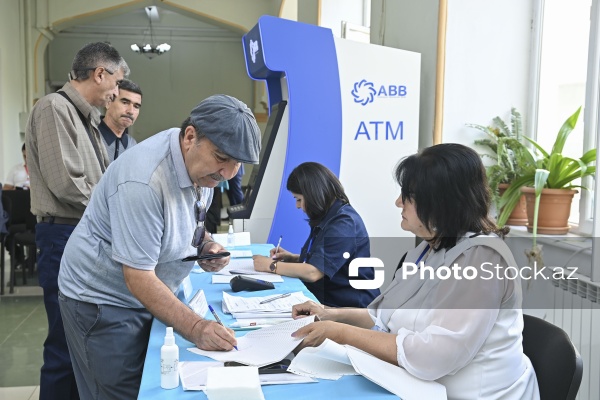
(233, 383)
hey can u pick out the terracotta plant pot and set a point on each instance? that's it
(519, 214)
(554, 210)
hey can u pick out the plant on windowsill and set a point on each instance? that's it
(551, 174)
(510, 158)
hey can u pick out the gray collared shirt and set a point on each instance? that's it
(63, 165)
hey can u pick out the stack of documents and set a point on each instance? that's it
(250, 307)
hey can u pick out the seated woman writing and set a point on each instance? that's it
(336, 231)
(463, 330)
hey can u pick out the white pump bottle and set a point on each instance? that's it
(169, 362)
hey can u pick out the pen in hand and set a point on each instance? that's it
(281, 296)
(212, 310)
(277, 249)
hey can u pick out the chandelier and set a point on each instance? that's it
(150, 50)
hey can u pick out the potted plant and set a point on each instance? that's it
(552, 173)
(510, 158)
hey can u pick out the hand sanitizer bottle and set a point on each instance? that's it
(169, 362)
(230, 237)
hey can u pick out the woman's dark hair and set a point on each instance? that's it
(320, 188)
(449, 186)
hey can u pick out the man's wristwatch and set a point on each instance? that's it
(273, 267)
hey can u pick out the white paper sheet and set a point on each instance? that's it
(193, 375)
(394, 378)
(241, 253)
(331, 361)
(218, 279)
(245, 265)
(261, 347)
(328, 361)
(250, 307)
(198, 303)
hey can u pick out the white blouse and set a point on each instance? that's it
(463, 333)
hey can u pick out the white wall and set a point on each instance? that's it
(11, 85)
(333, 12)
(411, 25)
(487, 63)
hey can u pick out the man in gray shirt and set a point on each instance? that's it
(121, 113)
(125, 259)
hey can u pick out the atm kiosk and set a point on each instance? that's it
(351, 106)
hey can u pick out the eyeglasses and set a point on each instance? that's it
(107, 70)
(200, 214)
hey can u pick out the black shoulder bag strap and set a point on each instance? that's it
(87, 129)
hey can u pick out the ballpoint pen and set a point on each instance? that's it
(278, 244)
(212, 310)
(281, 296)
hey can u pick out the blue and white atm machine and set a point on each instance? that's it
(351, 106)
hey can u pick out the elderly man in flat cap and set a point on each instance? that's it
(123, 262)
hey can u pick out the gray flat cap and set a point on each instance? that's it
(230, 125)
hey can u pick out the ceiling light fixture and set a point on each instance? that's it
(150, 50)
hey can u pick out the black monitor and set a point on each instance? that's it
(243, 210)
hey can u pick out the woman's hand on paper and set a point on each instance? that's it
(209, 335)
(216, 264)
(314, 334)
(262, 263)
(309, 308)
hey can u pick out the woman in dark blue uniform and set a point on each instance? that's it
(337, 236)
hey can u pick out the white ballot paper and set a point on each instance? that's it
(250, 307)
(261, 347)
(193, 375)
(240, 253)
(328, 360)
(226, 278)
(243, 266)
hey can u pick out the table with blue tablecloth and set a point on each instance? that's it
(348, 387)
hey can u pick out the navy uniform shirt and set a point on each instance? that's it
(115, 146)
(341, 230)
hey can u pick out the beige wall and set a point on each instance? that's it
(12, 84)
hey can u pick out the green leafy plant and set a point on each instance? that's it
(511, 157)
(550, 170)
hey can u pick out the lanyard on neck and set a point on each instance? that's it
(425, 250)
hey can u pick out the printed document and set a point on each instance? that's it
(261, 347)
(250, 307)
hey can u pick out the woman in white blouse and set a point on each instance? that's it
(453, 311)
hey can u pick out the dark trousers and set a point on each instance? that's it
(57, 381)
(108, 347)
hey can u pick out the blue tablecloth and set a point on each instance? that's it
(348, 387)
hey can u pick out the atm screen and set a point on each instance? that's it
(244, 210)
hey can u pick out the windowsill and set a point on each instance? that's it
(570, 241)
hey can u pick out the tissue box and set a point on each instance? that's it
(233, 383)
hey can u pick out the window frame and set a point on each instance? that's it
(589, 213)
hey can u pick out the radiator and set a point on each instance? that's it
(576, 310)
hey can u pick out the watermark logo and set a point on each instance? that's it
(366, 262)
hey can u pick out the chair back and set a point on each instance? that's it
(17, 203)
(557, 363)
